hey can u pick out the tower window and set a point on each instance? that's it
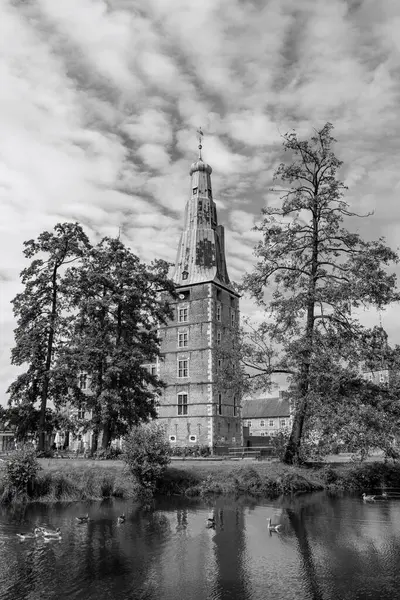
(234, 406)
(218, 311)
(182, 339)
(209, 193)
(182, 404)
(185, 275)
(153, 370)
(83, 381)
(219, 403)
(219, 363)
(195, 190)
(233, 318)
(183, 368)
(192, 438)
(219, 337)
(81, 412)
(183, 315)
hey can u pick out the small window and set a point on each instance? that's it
(192, 438)
(183, 315)
(381, 378)
(200, 205)
(262, 423)
(209, 193)
(153, 370)
(182, 339)
(182, 404)
(283, 423)
(172, 438)
(371, 377)
(185, 275)
(218, 311)
(248, 423)
(81, 413)
(219, 403)
(219, 337)
(233, 440)
(183, 368)
(83, 381)
(233, 320)
(271, 423)
(219, 363)
(234, 406)
(262, 433)
(195, 190)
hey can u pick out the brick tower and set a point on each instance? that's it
(193, 408)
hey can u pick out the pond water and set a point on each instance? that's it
(328, 548)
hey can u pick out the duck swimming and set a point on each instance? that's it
(29, 536)
(121, 519)
(271, 527)
(367, 498)
(51, 533)
(211, 522)
(83, 519)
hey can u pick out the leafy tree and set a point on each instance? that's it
(318, 272)
(118, 307)
(146, 453)
(42, 325)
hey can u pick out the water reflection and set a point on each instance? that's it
(328, 549)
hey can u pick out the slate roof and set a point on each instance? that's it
(264, 408)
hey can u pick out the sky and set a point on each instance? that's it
(100, 102)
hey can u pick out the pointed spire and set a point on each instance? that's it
(199, 131)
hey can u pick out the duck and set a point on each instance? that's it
(83, 519)
(121, 519)
(211, 522)
(51, 533)
(29, 536)
(274, 528)
(368, 498)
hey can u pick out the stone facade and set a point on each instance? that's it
(192, 407)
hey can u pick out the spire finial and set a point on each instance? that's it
(199, 131)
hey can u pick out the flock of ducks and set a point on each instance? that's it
(48, 534)
(55, 534)
(211, 523)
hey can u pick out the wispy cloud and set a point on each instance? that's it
(100, 102)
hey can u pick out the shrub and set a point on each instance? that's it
(21, 471)
(108, 454)
(146, 453)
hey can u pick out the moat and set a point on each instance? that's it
(328, 548)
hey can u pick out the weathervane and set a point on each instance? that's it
(199, 131)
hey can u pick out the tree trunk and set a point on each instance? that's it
(49, 354)
(95, 441)
(106, 437)
(292, 452)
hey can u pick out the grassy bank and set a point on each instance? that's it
(66, 481)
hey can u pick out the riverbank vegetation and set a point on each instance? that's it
(68, 481)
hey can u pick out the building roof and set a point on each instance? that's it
(264, 408)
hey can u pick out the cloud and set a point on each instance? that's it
(101, 101)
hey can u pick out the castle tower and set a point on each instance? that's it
(193, 408)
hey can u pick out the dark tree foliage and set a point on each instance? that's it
(118, 305)
(318, 272)
(41, 311)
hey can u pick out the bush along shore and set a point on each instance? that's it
(94, 481)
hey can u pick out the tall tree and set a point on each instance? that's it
(42, 323)
(118, 308)
(317, 271)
